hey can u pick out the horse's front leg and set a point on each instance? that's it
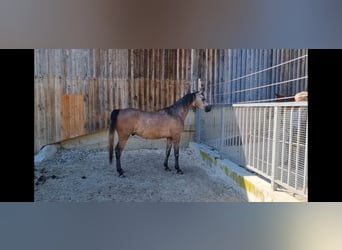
(176, 151)
(167, 154)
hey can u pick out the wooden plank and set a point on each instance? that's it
(151, 79)
(57, 110)
(65, 116)
(36, 115)
(158, 63)
(162, 79)
(146, 79)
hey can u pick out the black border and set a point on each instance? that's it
(324, 130)
(17, 170)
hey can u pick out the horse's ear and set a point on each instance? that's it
(200, 86)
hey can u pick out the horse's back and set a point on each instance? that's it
(149, 125)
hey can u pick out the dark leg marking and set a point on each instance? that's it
(118, 161)
(176, 149)
(167, 154)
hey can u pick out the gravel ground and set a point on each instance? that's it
(83, 174)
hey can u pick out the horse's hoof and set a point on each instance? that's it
(167, 169)
(121, 174)
(179, 171)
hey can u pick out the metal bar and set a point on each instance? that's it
(306, 160)
(299, 116)
(290, 147)
(283, 145)
(222, 133)
(274, 147)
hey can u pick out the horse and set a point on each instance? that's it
(165, 123)
(298, 97)
(301, 96)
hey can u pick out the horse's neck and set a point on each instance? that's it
(183, 112)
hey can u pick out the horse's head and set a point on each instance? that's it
(301, 96)
(200, 101)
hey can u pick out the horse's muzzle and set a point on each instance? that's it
(207, 108)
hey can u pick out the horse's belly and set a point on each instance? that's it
(154, 133)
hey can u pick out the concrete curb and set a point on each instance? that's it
(252, 187)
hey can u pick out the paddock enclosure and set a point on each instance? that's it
(76, 89)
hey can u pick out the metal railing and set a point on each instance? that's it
(269, 139)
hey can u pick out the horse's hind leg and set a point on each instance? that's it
(176, 151)
(118, 150)
(167, 154)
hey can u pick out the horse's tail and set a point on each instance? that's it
(113, 118)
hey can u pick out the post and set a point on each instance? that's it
(198, 116)
(275, 147)
(222, 132)
(197, 126)
(199, 84)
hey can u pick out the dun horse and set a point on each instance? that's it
(299, 97)
(166, 123)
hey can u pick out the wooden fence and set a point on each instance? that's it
(76, 89)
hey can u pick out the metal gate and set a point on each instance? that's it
(269, 139)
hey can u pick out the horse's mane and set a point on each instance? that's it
(185, 101)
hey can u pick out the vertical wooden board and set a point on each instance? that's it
(80, 112)
(47, 106)
(178, 79)
(46, 114)
(86, 104)
(91, 103)
(177, 64)
(94, 105)
(157, 78)
(151, 80)
(214, 75)
(141, 80)
(102, 102)
(36, 115)
(146, 78)
(57, 110)
(97, 110)
(221, 77)
(208, 72)
(186, 71)
(53, 107)
(72, 115)
(131, 78)
(111, 94)
(65, 116)
(161, 78)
